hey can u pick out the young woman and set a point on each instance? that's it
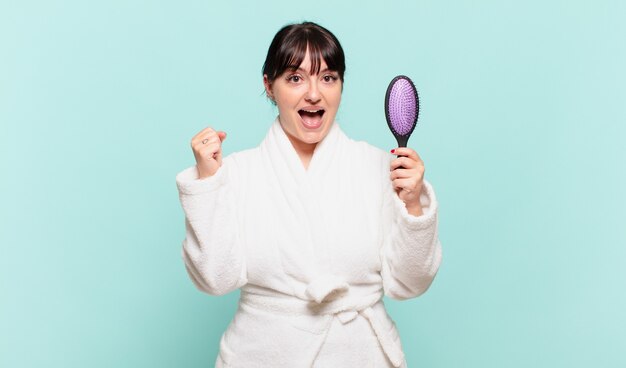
(313, 227)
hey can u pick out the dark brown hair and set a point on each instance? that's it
(290, 44)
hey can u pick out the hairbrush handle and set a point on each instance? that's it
(402, 140)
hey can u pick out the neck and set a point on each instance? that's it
(303, 149)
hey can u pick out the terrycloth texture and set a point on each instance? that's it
(313, 250)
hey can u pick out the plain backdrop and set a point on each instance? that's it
(521, 129)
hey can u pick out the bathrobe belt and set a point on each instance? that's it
(328, 295)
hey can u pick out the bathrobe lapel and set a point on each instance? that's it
(302, 201)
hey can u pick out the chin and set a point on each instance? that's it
(312, 140)
(315, 136)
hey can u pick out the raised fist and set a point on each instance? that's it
(207, 148)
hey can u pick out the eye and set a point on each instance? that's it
(294, 78)
(329, 78)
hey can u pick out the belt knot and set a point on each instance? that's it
(327, 288)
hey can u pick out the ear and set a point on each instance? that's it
(268, 87)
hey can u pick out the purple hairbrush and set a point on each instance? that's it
(402, 107)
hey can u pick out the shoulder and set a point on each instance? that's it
(369, 166)
(240, 162)
(244, 157)
(375, 157)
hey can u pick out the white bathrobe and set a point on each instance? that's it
(313, 251)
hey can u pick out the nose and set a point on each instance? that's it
(313, 93)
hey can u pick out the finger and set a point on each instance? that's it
(408, 152)
(222, 135)
(218, 155)
(405, 162)
(401, 174)
(211, 150)
(405, 184)
(203, 142)
(204, 133)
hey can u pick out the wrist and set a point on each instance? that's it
(414, 209)
(203, 172)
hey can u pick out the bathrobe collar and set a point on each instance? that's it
(304, 197)
(322, 155)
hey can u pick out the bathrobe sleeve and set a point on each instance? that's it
(212, 250)
(411, 251)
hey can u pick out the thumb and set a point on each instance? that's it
(222, 135)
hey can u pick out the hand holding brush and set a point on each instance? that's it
(407, 171)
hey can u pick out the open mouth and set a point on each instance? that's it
(312, 118)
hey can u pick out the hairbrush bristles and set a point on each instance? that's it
(401, 108)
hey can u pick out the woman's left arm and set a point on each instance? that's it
(411, 253)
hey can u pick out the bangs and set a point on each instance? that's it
(289, 49)
(294, 57)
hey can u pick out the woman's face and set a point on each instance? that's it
(307, 104)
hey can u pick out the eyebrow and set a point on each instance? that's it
(305, 71)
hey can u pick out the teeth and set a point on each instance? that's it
(312, 111)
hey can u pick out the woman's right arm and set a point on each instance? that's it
(212, 251)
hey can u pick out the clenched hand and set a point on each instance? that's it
(207, 148)
(407, 175)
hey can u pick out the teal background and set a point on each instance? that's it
(521, 130)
